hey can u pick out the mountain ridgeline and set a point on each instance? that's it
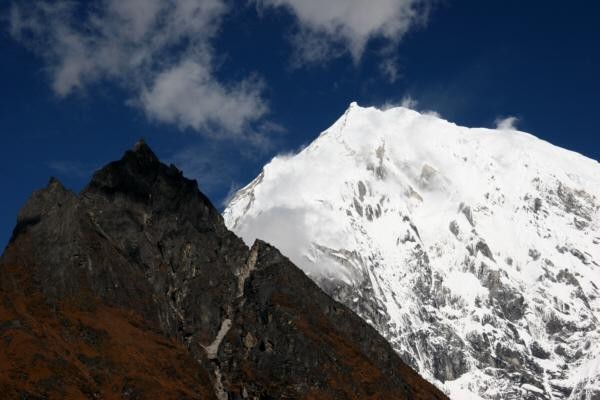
(134, 288)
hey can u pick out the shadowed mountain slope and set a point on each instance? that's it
(135, 288)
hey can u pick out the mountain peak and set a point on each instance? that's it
(53, 181)
(434, 233)
(134, 174)
(139, 144)
(43, 202)
(142, 151)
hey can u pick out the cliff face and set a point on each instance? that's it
(134, 288)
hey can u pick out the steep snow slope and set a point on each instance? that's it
(475, 252)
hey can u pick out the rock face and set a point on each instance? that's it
(475, 252)
(135, 289)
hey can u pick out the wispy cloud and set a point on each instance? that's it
(409, 102)
(233, 189)
(218, 164)
(159, 50)
(328, 29)
(506, 123)
(390, 68)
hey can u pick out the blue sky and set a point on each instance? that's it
(219, 87)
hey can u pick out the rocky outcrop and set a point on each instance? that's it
(134, 288)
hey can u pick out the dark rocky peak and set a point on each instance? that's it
(138, 184)
(42, 203)
(142, 254)
(140, 181)
(140, 176)
(141, 150)
(45, 200)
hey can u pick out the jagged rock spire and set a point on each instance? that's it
(141, 150)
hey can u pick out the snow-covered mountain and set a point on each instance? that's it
(475, 252)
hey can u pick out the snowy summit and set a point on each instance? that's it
(475, 252)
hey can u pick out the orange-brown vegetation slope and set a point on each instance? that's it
(82, 348)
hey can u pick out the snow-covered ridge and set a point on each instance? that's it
(474, 251)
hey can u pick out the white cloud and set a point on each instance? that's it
(409, 102)
(187, 94)
(432, 113)
(160, 50)
(349, 24)
(390, 69)
(234, 187)
(507, 123)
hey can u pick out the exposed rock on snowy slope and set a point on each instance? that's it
(475, 252)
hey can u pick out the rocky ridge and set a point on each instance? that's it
(134, 288)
